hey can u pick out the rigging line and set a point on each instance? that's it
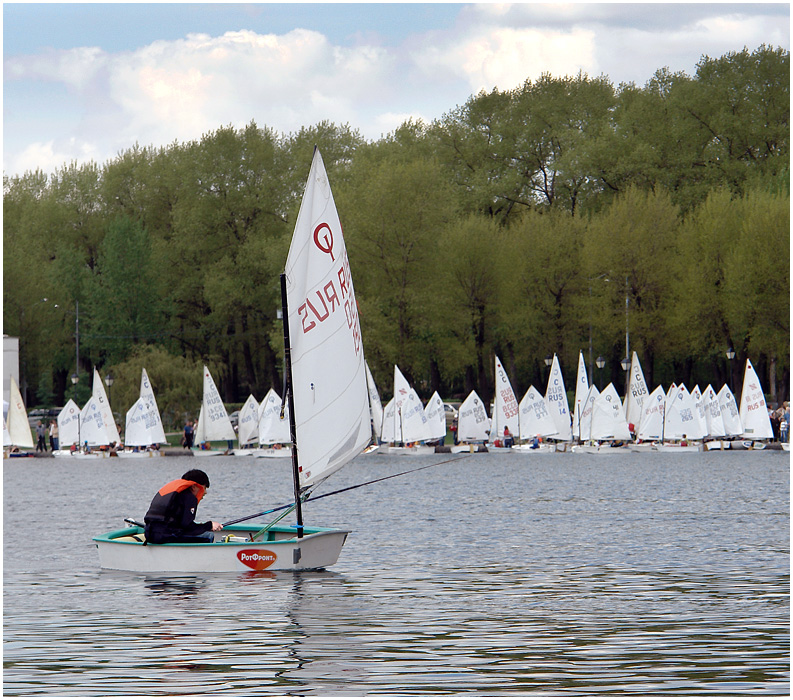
(348, 488)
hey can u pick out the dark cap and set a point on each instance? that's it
(198, 476)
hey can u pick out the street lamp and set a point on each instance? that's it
(730, 356)
(548, 363)
(600, 362)
(76, 376)
(626, 365)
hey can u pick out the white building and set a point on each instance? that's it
(10, 363)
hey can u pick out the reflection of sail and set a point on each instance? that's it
(321, 611)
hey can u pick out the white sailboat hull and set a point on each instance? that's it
(140, 454)
(281, 550)
(415, 450)
(545, 448)
(599, 449)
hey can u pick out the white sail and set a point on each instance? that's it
(713, 413)
(248, 422)
(681, 417)
(213, 420)
(6, 434)
(473, 425)
(328, 377)
(506, 411)
(69, 425)
(138, 432)
(581, 392)
(586, 413)
(410, 421)
(94, 431)
(436, 417)
(699, 405)
(17, 423)
(153, 419)
(754, 412)
(272, 428)
(535, 418)
(651, 425)
(375, 404)
(729, 412)
(387, 434)
(104, 406)
(556, 397)
(637, 393)
(608, 419)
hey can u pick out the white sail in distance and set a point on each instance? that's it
(17, 420)
(375, 404)
(681, 417)
(473, 424)
(581, 392)
(535, 418)
(213, 420)
(608, 420)
(387, 434)
(637, 393)
(272, 428)
(730, 414)
(436, 417)
(104, 406)
(69, 425)
(651, 425)
(753, 410)
(94, 431)
(153, 419)
(328, 376)
(248, 422)
(556, 397)
(506, 410)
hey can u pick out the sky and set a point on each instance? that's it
(86, 82)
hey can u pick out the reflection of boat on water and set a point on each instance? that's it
(328, 408)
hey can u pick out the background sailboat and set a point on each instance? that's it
(17, 425)
(753, 409)
(506, 411)
(436, 417)
(247, 427)
(473, 425)
(213, 420)
(581, 391)
(108, 418)
(535, 423)
(637, 393)
(556, 397)
(274, 437)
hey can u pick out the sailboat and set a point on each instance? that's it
(581, 391)
(436, 417)
(535, 423)
(144, 427)
(699, 412)
(753, 409)
(95, 432)
(213, 421)
(247, 427)
(410, 421)
(651, 425)
(608, 423)
(103, 404)
(506, 410)
(17, 426)
(328, 408)
(473, 425)
(715, 432)
(375, 405)
(681, 427)
(274, 433)
(730, 414)
(556, 397)
(636, 395)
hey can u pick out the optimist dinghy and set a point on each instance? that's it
(328, 411)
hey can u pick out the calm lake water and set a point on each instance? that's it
(488, 575)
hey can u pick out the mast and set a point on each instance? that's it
(291, 399)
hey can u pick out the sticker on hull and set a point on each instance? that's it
(256, 559)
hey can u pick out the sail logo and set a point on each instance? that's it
(327, 240)
(256, 559)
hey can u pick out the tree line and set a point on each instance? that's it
(555, 217)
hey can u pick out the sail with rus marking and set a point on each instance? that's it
(436, 417)
(473, 425)
(410, 421)
(535, 418)
(556, 398)
(152, 416)
(248, 422)
(729, 412)
(505, 405)
(753, 410)
(651, 426)
(69, 425)
(332, 414)
(637, 393)
(608, 420)
(681, 417)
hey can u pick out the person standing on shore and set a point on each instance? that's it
(41, 443)
(54, 435)
(189, 434)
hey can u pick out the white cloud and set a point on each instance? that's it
(181, 89)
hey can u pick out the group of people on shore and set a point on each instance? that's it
(42, 432)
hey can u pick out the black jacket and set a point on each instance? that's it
(171, 518)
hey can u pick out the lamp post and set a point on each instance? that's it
(548, 363)
(590, 280)
(730, 356)
(627, 325)
(109, 379)
(626, 365)
(600, 362)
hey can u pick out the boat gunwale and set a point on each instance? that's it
(113, 537)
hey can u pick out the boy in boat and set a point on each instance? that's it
(171, 515)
